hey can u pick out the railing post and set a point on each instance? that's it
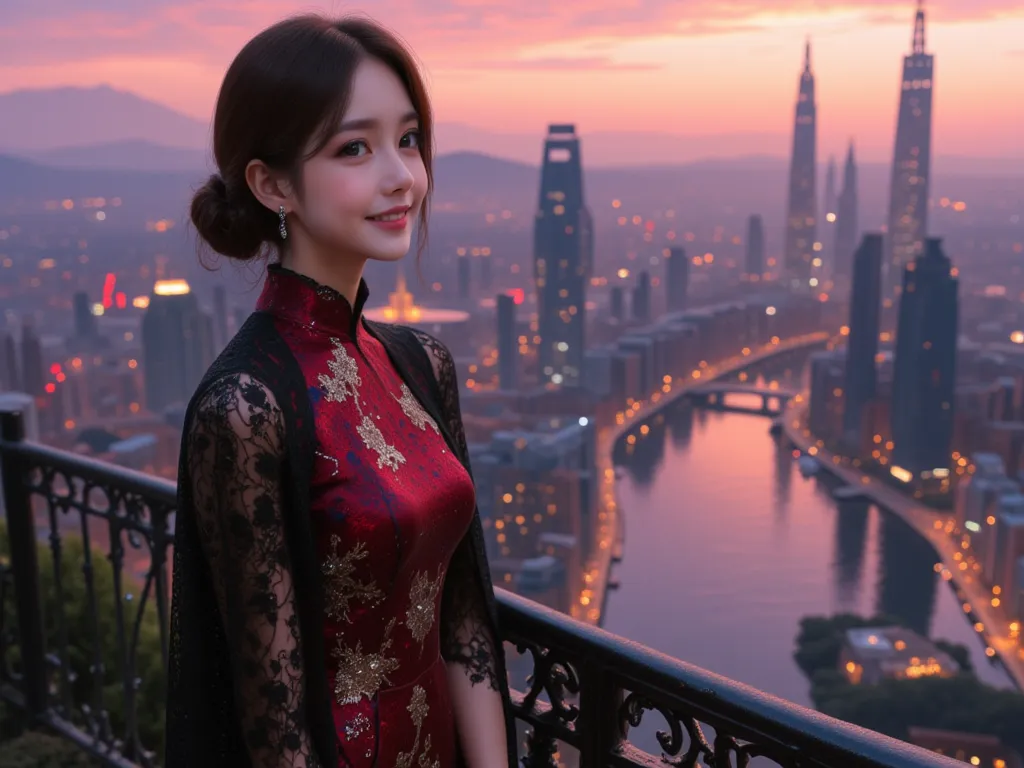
(598, 724)
(24, 566)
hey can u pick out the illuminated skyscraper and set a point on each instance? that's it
(801, 211)
(828, 220)
(463, 275)
(754, 266)
(563, 255)
(642, 298)
(924, 370)
(862, 343)
(847, 219)
(911, 162)
(508, 346)
(177, 344)
(677, 279)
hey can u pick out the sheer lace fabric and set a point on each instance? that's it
(235, 462)
(466, 637)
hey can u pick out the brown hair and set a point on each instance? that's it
(288, 86)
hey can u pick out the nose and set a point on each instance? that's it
(398, 177)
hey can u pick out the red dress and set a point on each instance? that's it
(389, 503)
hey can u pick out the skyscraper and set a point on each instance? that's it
(911, 162)
(85, 320)
(617, 302)
(33, 377)
(801, 211)
(925, 366)
(862, 343)
(642, 298)
(463, 275)
(9, 378)
(563, 255)
(847, 219)
(754, 266)
(508, 348)
(177, 344)
(828, 224)
(677, 279)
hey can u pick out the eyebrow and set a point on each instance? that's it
(372, 122)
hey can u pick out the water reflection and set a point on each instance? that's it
(848, 558)
(907, 579)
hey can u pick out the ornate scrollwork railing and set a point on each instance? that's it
(587, 693)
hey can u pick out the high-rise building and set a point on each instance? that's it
(847, 219)
(85, 320)
(925, 365)
(9, 378)
(563, 257)
(642, 298)
(801, 211)
(862, 343)
(463, 274)
(753, 266)
(177, 344)
(617, 301)
(677, 279)
(911, 162)
(220, 315)
(33, 377)
(486, 269)
(508, 347)
(828, 220)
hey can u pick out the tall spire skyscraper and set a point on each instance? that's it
(847, 219)
(801, 211)
(911, 162)
(563, 252)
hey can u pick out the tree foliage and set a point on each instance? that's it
(92, 636)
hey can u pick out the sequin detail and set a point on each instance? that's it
(412, 408)
(419, 710)
(339, 584)
(362, 674)
(343, 383)
(357, 726)
(419, 617)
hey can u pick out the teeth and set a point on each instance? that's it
(389, 217)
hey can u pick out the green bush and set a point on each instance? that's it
(83, 630)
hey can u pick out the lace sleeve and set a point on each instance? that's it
(466, 637)
(235, 450)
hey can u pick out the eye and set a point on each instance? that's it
(353, 149)
(411, 140)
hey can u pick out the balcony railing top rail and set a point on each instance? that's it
(589, 698)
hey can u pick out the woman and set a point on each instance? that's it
(332, 604)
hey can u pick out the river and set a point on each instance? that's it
(727, 546)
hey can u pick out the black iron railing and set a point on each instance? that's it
(589, 698)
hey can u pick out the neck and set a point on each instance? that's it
(333, 270)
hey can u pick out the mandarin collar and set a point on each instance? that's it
(303, 300)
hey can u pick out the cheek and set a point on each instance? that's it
(335, 194)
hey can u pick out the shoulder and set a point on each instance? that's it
(238, 404)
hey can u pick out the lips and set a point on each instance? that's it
(394, 214)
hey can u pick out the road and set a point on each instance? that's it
(597, 571)
(980, 603)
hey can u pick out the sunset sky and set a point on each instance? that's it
(689, 67)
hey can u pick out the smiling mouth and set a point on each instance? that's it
(388, 216)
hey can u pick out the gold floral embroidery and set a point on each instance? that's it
(341, 587)
(357, 726)
(419, 709)
(387, 455)
(362, 674)
(412, 408)
(419, 617)
(343, 383)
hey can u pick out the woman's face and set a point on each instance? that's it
(363, 191)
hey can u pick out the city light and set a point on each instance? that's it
(177, 287)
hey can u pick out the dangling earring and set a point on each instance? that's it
(282, 229)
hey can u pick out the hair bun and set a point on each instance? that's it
(231, 227)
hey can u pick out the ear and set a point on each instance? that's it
(271, 188)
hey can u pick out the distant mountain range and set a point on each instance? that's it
(104, 128)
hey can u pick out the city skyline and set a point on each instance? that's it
(511, 72)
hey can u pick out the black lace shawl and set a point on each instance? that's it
(247, 685)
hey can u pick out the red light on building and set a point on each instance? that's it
(517, 295)
(121, 300)
(108, 290)
(51, 388)
(649, 226)
(55, 369)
